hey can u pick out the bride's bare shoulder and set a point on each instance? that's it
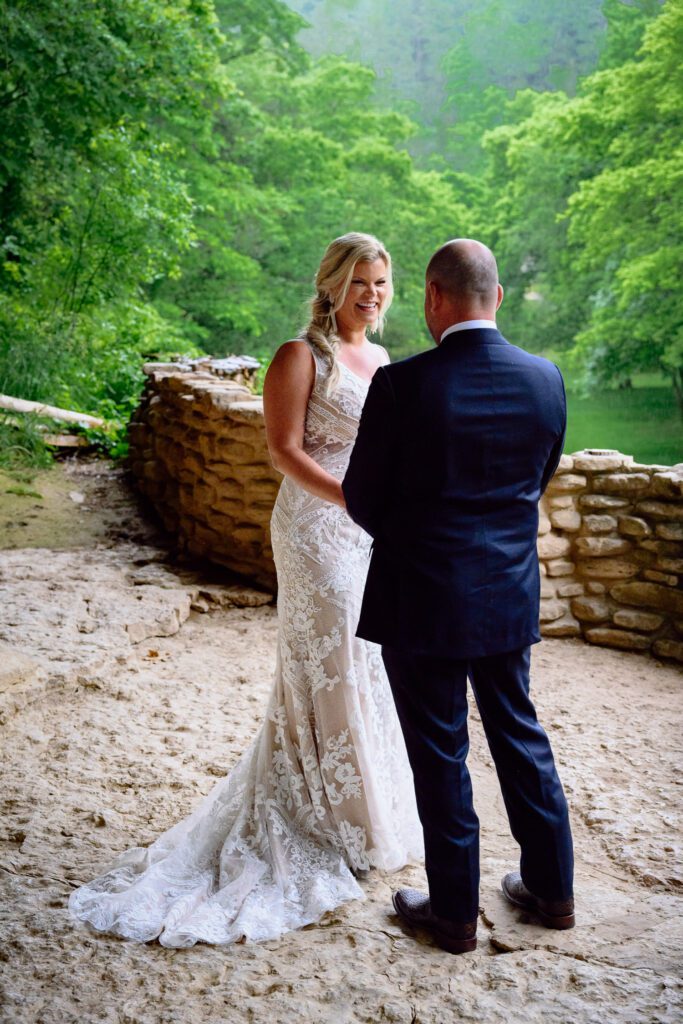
(294, 348)
(381, 353)
(291, 368)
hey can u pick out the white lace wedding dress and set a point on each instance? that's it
(324, 790)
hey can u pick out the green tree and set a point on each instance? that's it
(626, 220)
(304, 157)
(507, 46)
(98, 101)
(530, 175)
(582, 200)
(626, 24)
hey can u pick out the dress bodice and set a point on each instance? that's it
(332, 419)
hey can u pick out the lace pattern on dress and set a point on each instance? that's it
(325, 788)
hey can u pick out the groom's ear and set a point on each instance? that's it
(432, 295)
(501, 293)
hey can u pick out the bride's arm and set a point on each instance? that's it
(286, 390)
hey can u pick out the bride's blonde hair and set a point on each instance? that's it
(332, 283)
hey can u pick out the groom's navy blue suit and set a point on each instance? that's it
(455, 447)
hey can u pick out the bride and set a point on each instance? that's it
(324, 791)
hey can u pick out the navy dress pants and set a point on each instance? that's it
(431, 699)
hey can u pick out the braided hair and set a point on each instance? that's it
(332, 283)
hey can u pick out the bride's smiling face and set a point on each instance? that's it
(366, 296)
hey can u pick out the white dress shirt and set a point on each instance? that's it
(468, 325)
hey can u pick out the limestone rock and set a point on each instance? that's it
(622, 483)
(155, 575)
(566, 519)
(670, 531)
(152, 470)
(668, 484)
(16, 668)
(567, 483)
(661, 510)
(601, 501)
(552, 546)
(600, 524)
(551, 610)
(161, 613)
(599, 547)
(234, 452)
(567, 626)
(668, 649)
(543, 524)
(648, 595)
(565, 465)
(593, 587)
(250, 411)
(670, 565)
(596, 461)
(235, 596)
(632, 526)
(103, 817)
(560, 501)
(591, 609)
(559, 567)
(660, 577)
(668, 549)
(609, 568)
(646, 622)
(570, 589)
(606, 637)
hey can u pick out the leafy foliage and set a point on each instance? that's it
(170, 174)
(311, 156)
(626, 220)
(589, 217)
(94, 206)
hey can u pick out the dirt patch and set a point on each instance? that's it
(74, 504)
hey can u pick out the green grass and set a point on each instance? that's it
(23, 492)
(643, 422)
(21, 444)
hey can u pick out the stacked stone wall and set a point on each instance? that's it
(611, 552)
(198, 453)
(610, 533)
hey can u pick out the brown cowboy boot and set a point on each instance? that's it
(414, 909)
(551, 913)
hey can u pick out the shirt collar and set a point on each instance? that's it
(468, 325)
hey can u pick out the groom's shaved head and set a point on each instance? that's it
(466, 271)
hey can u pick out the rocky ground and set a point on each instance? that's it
(129, 682)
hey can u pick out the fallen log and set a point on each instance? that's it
(53, 412)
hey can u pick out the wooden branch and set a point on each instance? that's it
(50, 411)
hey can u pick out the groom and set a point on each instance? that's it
(455, 447)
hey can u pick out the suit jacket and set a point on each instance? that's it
(455, 447)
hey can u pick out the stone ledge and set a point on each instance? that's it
(599, 460)
(618, 638)
(606, 524)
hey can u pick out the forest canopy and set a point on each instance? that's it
(170, 174)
